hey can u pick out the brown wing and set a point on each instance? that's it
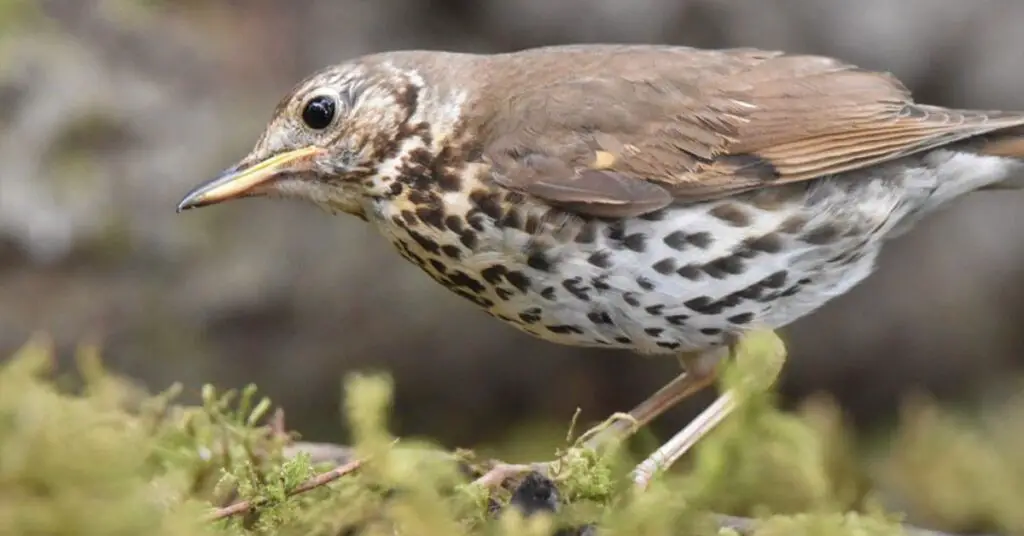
(617, 142)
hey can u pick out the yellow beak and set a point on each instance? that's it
(234, 183)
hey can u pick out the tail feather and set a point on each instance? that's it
(1009, 146)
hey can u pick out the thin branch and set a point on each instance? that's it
(313, 483)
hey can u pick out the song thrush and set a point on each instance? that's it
(661, 199)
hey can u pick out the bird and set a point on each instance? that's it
(667, 200)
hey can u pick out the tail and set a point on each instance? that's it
(1008, 144)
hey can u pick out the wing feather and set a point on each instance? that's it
(685, 127)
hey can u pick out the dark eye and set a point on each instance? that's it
(319, 112)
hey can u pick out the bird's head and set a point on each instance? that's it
(332, 137)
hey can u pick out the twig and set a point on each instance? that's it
(315, 482)
(502, 471)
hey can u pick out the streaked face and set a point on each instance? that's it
(324, 139)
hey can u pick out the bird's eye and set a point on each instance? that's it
(319, 112)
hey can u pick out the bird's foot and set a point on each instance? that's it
(755, 362)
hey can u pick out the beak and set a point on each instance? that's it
(242, 181)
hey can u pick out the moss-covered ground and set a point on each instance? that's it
(95, 455)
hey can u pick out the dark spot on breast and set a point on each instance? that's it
(776, 280)
(548, 293)
(454, 224)
(769, 243)
(462, 279)
(539, 261)
(395, 189)
(791, 291)
(623, 340)
(655, 310)
(665, 266)
(438, 266)
(576, 288)
(632, 299)
(601, 259)
(475, 298)
(564, 329)
(475, 219)
(704, 305)
(409, 217)
(702, 239)
(600, 283)
(487, 202)
(494, 274)
(669, 345)
(468, 239)
(448, 180)
(511, 220)
(744, 252)
(654, 332)
(690, 271)
(676, 240)
(636, 242)
(793, 224)
(821, 235)
(723, 266)
(644, 283)
(531, 315)
(424, 197)
(432, 216)
(804, 281)
(518, 280)
(677, 320)
(711, 331)
(504, 293)
(427, 244)
(587, 234)
(406, 252)
(599, 317)
(742, 318)
(615, 230)
(752, 292)
(452, 252)
(732, 213)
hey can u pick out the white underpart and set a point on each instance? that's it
(873, 205)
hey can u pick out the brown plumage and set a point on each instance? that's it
(666, 200)
(699, 124)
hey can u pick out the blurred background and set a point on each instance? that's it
(111, 110)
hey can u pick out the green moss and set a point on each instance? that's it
(95, 455)
(963, 474)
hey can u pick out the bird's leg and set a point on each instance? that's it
(700, 373)
(759, 357)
